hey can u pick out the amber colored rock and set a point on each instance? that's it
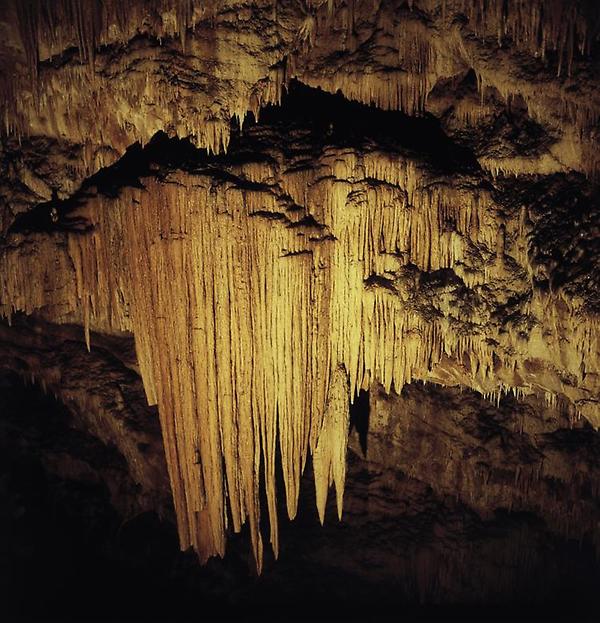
(286, 203)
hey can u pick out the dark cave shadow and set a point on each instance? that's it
(360, 413)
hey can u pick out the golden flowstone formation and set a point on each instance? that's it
(254, 331)
(255, 324)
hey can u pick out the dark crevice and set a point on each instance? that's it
(563, 225)
(335, 120)
(379, 281)
(359, 418)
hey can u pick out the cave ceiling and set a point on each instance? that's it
(285, 204)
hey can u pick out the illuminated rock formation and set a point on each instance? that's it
(269, 273)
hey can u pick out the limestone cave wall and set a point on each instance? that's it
(341, 253)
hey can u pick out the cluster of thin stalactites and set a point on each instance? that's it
(48, 27)
(253, 337)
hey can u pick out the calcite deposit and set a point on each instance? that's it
(288, 203)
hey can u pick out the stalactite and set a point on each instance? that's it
(84, 100)
(255, 327)
(426, 56)
(537, 26)
(329, 456)
(28, 21)
(47, 27)
(119, 107)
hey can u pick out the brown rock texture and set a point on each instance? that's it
(253, 211)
